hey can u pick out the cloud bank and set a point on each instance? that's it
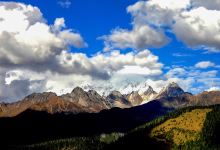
(36, 56)
(194, 22)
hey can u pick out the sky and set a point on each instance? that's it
(58, 45)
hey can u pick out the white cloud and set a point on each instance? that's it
(34, 55)
(192, 79)
(35, 58)
(199, 27)
(59, 23)
(139, 70)
(26, 39)
(214, 89)
(204, 64)
(77, 68)
(13, 75)
(156, 12)
(214, 4)
(194, 22)
(175, 72)
(14, 86)
(148, 18)
(140, 37)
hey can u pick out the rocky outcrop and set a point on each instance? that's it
(75, 102)
(134, 98)
(80, 101)
(148, 95)
(118, 100)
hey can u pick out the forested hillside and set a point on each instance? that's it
(188, 128)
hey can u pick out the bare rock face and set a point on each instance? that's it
(75, 102)
(134, 98)
(172, 90)
(16, 108)
(118, 100)
(173, 96)
(148, 95)
(206, 98)
(90, 100)
(78, 101)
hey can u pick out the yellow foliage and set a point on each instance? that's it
(184, 128)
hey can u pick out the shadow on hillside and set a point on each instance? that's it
(32, 126)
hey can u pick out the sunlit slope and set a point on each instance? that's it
(184, 128)
(196, 127)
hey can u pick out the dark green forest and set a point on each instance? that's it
(139, 138)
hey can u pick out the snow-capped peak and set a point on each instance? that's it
(171, 90)
(140, 88)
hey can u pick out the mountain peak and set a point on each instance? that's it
(149, 90)
(116, 93)
(77, 90)
(134, 98)
(148, 95)
(171, 90)
(173, 84)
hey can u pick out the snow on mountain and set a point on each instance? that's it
(171, 90)
(125, 88)
(148, 95)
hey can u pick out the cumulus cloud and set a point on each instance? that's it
(204, 64)
(35, 55)
(194, 22)
(14, 85)
(214, 89)
(214, 4)
(78, 68)
(148, 18)
(27, 40)
(192, 79)
(156, 12)
(199, 27)
(139, 37)
(116, 61)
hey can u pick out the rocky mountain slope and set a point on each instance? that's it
(172, 96)
(118, 100)
(148, 95)
(79, 100)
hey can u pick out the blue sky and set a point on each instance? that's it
(94, 18)
(91, 18)
(94, 40)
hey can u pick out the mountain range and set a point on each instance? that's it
(89, 101)
(42, 117)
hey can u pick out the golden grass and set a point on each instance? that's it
(184, 128)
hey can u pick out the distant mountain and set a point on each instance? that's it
(148, 95)
(140, 88)
(124, 89)
(171, 90)
(118, 100)
(172, 96)
(80, 101)
(90, 101)
(77, 101)
(46, 116)
(134, 98)
(205, 98)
